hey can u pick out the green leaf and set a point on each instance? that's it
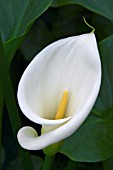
(92, 142)
(43, 33)
(16, 18)
(103, 26)
(61, 162)
(102, 7)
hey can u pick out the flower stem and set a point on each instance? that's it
(48, 162)
(1, 114)
(11, 106)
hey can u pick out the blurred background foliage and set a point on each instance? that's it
(91, 147)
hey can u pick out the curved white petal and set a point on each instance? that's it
(73, 64)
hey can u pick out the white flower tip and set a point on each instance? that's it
(25, 136)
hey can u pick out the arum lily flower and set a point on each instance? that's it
(58, 90)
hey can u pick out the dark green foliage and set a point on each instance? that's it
(19, 25)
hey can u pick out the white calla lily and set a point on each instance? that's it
(71, 64)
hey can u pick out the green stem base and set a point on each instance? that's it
(48, 162)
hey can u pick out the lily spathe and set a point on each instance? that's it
(58, 90)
